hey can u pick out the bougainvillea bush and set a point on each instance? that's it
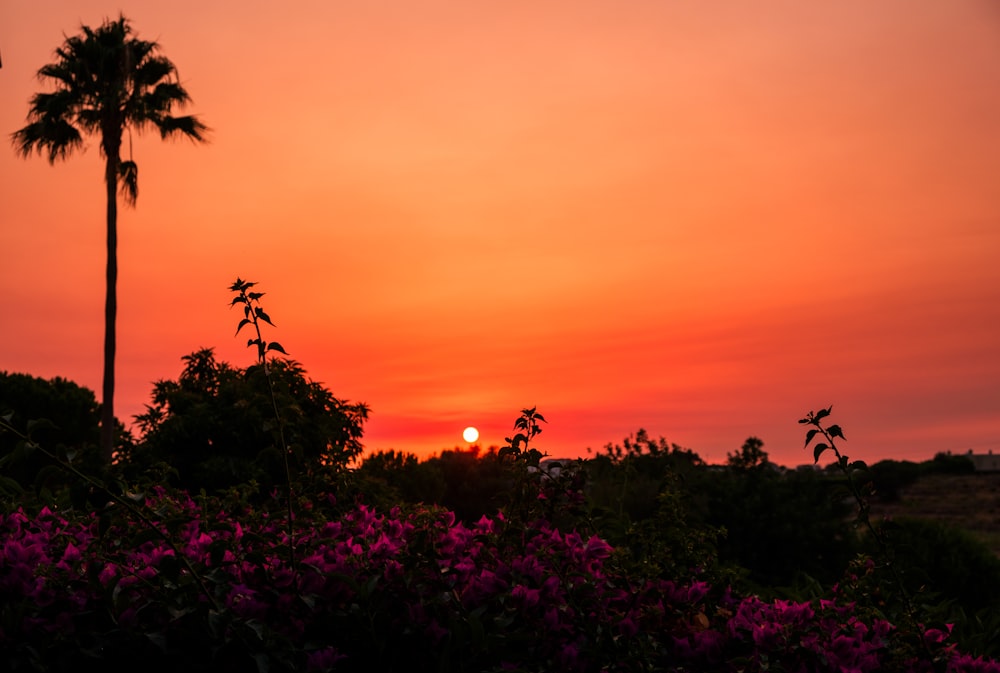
(213, 587)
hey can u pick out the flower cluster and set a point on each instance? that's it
(389, 591)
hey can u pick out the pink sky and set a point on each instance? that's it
(700, 219)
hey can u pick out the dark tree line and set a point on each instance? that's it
(748, 524)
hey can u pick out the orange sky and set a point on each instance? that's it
(701, 219)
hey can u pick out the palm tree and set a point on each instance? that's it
(107, 82)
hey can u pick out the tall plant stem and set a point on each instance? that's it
(864, 517)
(252, 315)
(290, 527)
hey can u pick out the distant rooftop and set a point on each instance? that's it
(985, 462)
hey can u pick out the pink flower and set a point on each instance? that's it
(324, 659)
(937, 636)
(525, 596)
(435, 631)
(627, 626)
(108, 574)
(569, 657)
(697, 591)
(71, 554)
(383, 546)
(485, 526)
(597, 548)
(964, 663)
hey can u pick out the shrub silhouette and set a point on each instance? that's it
(72, 414)
(215, 424)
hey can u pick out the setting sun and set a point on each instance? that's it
(470, 434)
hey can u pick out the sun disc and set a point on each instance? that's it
(470, 434)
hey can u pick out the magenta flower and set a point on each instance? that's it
(324, 659)
(526, 597)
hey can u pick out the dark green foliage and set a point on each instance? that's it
(640, 497)
(56, 412)
(475, 483)
(389, 478)
(942, 560)
(469, 482)
(945, 463)
(889, 476)
(930, 573)
(751, 456)
(215, 424)
(781, 526)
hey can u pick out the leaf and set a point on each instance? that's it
(170, 568)
(818, 451)
(263, 316)
(39, 423)
(217, 551)
(237, 300)
(263, 663)
(21, 451)
(158, 639)
(534, 457)
(103, 524)
(145, 535)
(275, 346)
(539, 417)
(10, 487)
(835, 431)
(243, 323)
(478, 633)
(809, 435)
(823, 413)
(128, 177)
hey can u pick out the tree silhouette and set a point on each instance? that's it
(750, 457)
(106, 82)
(215, 426)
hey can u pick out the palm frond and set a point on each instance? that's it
(189, 126)
(104, 81)
(128, 179)
(53, 137)
(152, 70)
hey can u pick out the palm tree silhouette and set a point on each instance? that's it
(107, 82)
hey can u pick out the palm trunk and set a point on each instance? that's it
(110, 310)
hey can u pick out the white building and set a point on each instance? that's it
(985, 462)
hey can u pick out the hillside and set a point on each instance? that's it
(968, 501)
